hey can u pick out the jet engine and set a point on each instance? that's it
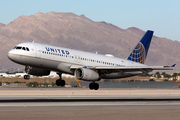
(86, 74)
(38, 71)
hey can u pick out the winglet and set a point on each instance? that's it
(173, 65)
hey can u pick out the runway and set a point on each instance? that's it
(91, 110)
(80, 104)
(85, 93)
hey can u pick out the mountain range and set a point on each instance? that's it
(79, 32)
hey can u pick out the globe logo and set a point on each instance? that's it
(138, 54)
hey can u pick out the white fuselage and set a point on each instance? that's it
(61, 59)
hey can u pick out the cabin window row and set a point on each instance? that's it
(50, 53)
(85, 59)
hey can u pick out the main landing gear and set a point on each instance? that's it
(60, 82)
(94, 86)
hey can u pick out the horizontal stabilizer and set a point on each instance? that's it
(173, 65)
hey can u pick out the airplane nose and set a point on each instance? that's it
(10, 55)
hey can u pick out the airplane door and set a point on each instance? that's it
(77, 58)
(38, 51)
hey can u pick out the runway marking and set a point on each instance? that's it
(90, 104)
(2, 96)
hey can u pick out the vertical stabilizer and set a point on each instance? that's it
(140, 52)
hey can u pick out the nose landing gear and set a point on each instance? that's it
(27, 69)
(27, 77)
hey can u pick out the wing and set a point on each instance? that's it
(143, 69)
(113, 69)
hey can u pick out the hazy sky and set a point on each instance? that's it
(161, 16)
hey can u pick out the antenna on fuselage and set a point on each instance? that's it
(96, 52)
(33, 41)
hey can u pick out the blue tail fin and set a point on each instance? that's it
(140, 52)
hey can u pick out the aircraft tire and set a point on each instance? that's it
(96, 86)
(91, 86)
(25, 77)
(60, 82)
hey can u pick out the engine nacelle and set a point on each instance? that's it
(38, 71)
(86, 74)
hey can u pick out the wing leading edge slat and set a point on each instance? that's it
(136, 68)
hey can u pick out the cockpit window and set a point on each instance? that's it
(24, 48)
(18, 47)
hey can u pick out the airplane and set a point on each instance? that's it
(40, 59)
